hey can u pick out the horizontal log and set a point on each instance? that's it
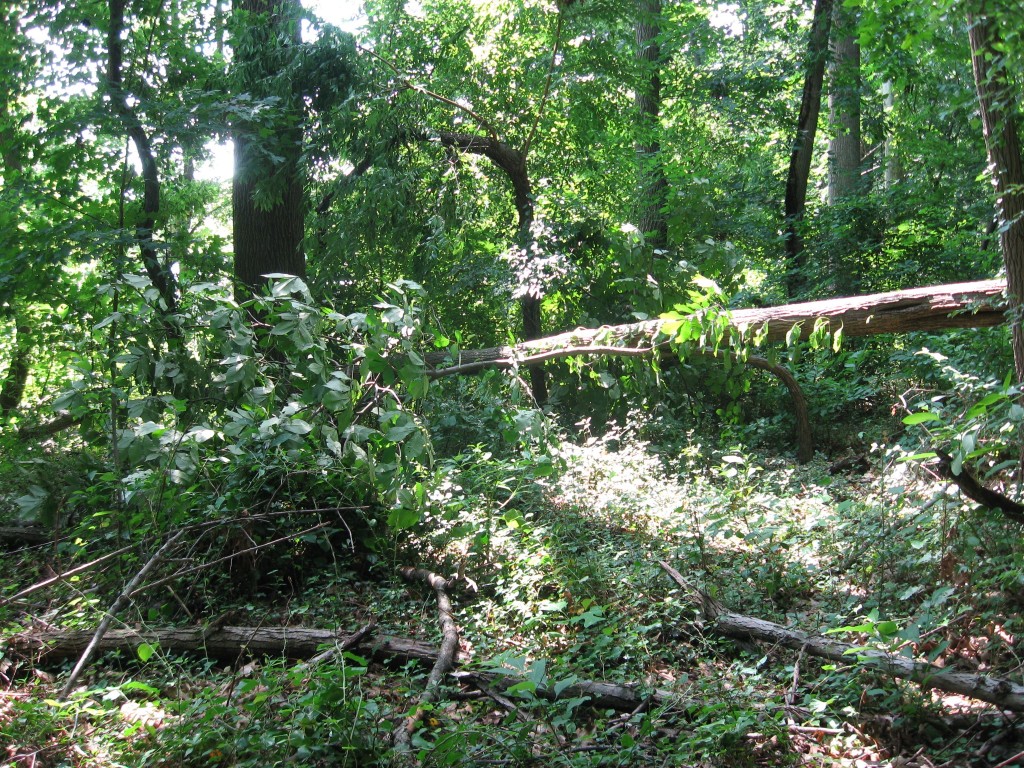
(230, 642)
(940, 307)
(224, 642)
(1004, 693)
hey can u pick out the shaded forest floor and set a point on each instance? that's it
(569, 588)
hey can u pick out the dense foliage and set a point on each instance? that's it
(222, 396)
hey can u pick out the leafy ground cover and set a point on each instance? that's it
(569, 588)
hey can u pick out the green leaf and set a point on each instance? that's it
(145, 651)
(401, 518)
(922, 417)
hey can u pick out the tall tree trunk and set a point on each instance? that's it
(844, 107)
(803, 145)
(653, 185)
(268, 218)
(844, 151)
(894, 173)
(997, 100)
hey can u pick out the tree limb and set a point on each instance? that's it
(999, 691)
(972, 489)
(445, 657)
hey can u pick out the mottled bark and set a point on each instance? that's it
(997, 100)
(803, 144)
(653, 185)
(268, 228)
(844, 107)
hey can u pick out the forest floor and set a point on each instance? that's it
(569, 587)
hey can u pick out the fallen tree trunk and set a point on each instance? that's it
(1001, 692)
(24, 535)
(229, 643)
(962, 305)
(226, 643)
(998, 691)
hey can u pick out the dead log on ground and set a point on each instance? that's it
(1001, 692)
(24, 535)
(229, 643)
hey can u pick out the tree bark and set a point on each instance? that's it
(13, 388)
(997, 101)
(1001, 692)
(844, 107)
(268, 217)
(803, 144)
(653, 185)
(961, 305)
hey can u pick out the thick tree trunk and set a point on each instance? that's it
(17, 371)
(920, 309)
(268, 216)
(844, 107)
(842, 259)
(997, 100)
(803, 144)
(653, 185)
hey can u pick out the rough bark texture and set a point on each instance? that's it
(267, 236)
(803, 144)
(997, 99)
(653, 185)
(998, 691)
(844, 107)
(226, 642)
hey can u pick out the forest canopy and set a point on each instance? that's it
(516, 305)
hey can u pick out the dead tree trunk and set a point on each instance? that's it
(962, 305)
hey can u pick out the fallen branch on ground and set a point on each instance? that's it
(119, 603)
(445, 657)
(1003, 693)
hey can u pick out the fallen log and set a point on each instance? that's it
(961, 305)
(229, 643)
(999, 691)
(226, 643)
(24, 535)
